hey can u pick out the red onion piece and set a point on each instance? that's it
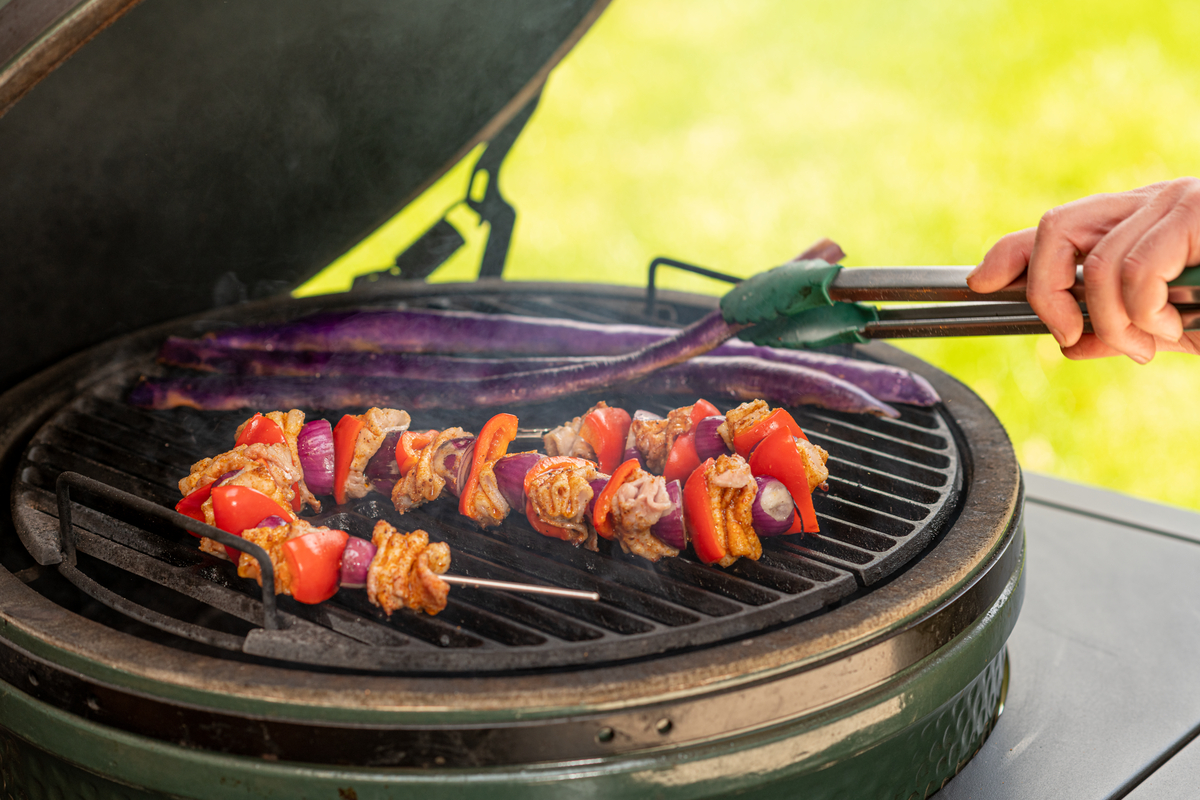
(452, 461)
(231, 474)
(670, 528)
(315, 447)
(356, 558)
(273, 521)
(709, 443)
(382, 471)
(510, 476)
(597, 487)
(774, 510)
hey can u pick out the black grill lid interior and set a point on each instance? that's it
(194, 154)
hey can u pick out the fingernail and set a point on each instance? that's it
(1140, 358)
(1058, 337)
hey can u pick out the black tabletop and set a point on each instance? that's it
(1104, 699)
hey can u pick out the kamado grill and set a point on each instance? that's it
(868, 660)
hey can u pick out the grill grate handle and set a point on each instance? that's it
(68, 480)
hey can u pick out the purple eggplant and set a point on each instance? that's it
(504, 390)
(316, 346)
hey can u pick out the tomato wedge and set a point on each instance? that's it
(697, 507)
(409, 447)
(605, 429)
(491, 443)
(776, 456)
(682, 459)
(601, 513)
(345, 438)
(779, 419)
(315, 561)
(260, 430)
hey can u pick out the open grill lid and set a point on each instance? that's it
(198, 154)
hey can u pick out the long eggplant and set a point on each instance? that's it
(736, 378)
(884, 383)
(515, 388)
(365, 336)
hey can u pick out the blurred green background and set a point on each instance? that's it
(732, 134)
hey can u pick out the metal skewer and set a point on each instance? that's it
(528, 588)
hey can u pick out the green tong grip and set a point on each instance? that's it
(784, 291)
(1189, 277)
(839, 323)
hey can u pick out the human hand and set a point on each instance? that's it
(1131, 244)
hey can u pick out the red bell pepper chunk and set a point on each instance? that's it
(491, 443)
(682, 459)
(745, 442)
(264, 430)
(409, 447)
(602, 519)
(544, 528)
(701, 409)
(239, 508)
(190, 506)
(345, 438)
(777, 456)
(315, 561)
(697, 508)
(260, 430)
(605, 429)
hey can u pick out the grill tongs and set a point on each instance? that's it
(946, 307)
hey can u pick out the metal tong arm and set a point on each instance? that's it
(979, 319)
(949, 284)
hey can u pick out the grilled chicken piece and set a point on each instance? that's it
(560, 498)
(815, 458)
(654, 438)
(266, 468)
(731, 492)
(637, 504)
(425, 481)
(291, 422)
(405, 570)
(566, 441)
(742, 418)
(487, 505)
(271, 540)
(377, 424)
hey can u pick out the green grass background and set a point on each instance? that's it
(732, 134)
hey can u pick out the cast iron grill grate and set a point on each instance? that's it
(894, 485)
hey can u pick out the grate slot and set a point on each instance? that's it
(845, 511)
(53, 461)
(488, 624)
(867, 458)
(582, 568)
(859, 537)
(114, 456)
(431, 630)
(528, 614)
(821, 545)
(848, 473)
(599, 614)
(885, 502)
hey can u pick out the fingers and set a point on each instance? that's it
(1131, 243)
(1064, 234)
(1004, 263)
